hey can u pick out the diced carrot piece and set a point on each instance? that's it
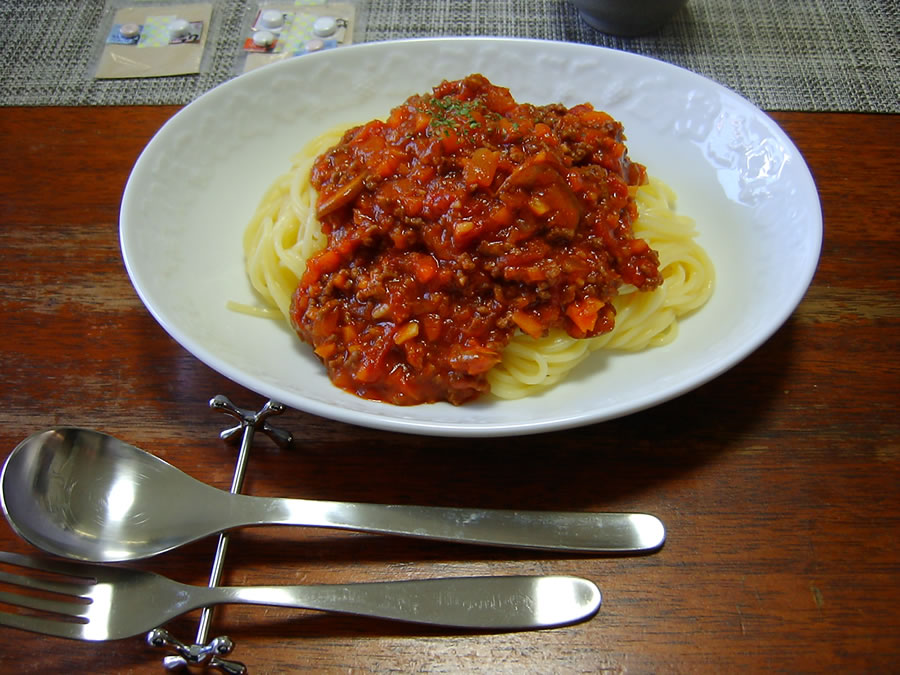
(584, 313)
(450, 141)
(426, 268)
(367, 373)
(328, 324)
(500, 100)
(639, 246)
(423, 174)
(326, 349)
(545, 133)
(372, 146)
(528, 323)
(327, 261)
(596, 117)
(509, 128)
(396, 117)
(481, 167)
(412, 203)
(503, 215)
(387, 165)
(421, 122)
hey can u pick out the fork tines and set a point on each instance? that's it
(38, 601)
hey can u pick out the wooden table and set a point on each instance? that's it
(778, 482)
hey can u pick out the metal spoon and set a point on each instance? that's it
(85, 495)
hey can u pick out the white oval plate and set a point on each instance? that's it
(736, 172)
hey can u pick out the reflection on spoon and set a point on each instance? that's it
(86, 495)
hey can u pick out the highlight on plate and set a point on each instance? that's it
(469, 244)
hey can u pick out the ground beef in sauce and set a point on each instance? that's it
(461, 219)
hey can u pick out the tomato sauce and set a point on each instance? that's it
(461, 219)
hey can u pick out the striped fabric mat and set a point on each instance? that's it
(813, 55)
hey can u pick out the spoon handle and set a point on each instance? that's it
(547, 530)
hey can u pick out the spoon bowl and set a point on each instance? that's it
(89, 496)
(85, 495)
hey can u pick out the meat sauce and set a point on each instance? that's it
(462, 218)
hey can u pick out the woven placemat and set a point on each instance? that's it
(814, 55)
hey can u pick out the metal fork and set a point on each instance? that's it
(109, 603)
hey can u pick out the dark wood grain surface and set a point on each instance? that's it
(778, 481)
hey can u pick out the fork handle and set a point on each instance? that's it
(501, 603)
